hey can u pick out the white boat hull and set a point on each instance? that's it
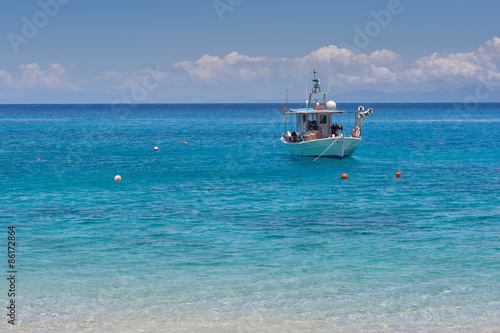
(343, 147)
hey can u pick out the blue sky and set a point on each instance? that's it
(97, 51)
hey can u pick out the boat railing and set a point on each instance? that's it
(314, 135)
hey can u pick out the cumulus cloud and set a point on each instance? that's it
(31, 76)
(233, 68)
(5, 78)
(490, 51)
(383, 67)
(213, 70)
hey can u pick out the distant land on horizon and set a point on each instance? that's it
(460, 95)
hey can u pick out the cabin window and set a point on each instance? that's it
(312, 116)
(312, 122)
(322, 119)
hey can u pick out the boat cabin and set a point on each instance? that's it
(314, 124)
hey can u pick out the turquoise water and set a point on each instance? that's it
(212, 236)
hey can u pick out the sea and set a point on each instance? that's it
(220, 230)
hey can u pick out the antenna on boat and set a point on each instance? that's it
(285, 109)
(307, 92)
(286, 101)
(328, 78)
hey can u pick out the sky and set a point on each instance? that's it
(195, 51)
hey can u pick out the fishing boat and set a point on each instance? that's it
(315, 130)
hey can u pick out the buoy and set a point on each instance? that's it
(344, 176)
(156, 148)
(398, 174)
(118, 178)
(38, 159)
(185, 142)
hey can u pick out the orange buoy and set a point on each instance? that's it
(38, 159)
(118, 178)
(344, 176)
(398, 174)
(185, 142)
(156, 148)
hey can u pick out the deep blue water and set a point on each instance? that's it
(213, 236)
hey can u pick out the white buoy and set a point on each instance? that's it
(330, 105)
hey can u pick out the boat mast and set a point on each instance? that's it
(317, 90)
(328, 78)
(284, 110)
(307, 92)
(314, 91)
(284, 116)
(328, 92)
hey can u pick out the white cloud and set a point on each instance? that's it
(212, 70)
(32, 76)
(377, 67)
(447, 68)
(5, 78)
(382, 67)
(490, 52)
(457, 68)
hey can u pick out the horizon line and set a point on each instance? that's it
(232, 103)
